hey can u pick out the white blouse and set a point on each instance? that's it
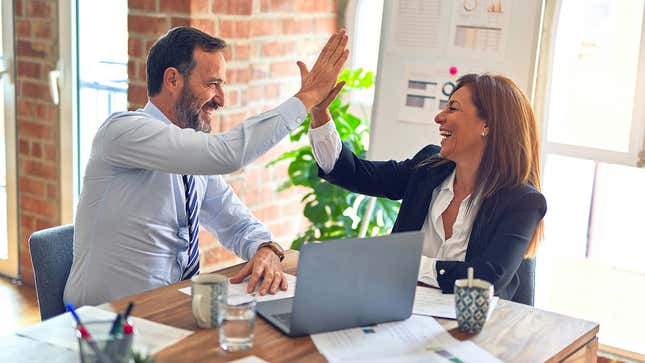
(327, 146)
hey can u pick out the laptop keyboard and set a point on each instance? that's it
(283, 318)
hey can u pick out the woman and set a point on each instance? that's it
(476, 197)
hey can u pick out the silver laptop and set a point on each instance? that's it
(349, 283)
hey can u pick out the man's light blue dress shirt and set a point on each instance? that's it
(131, 232)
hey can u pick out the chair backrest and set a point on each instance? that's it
(51, 258)
(525, 293)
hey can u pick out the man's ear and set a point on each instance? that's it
(173, 80)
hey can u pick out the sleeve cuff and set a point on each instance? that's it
(293, 111)
(328, 129)
(428, 271)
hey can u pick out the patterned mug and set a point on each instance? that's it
(471, 304)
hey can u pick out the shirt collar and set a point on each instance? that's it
(152, 110)
(448, 183)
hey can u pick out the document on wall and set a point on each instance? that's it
(150, 336)
(416, 25)
(417, 339)
(479, 28)
(237, 292)
(431, 302)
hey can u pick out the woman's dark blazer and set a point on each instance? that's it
(501, 231)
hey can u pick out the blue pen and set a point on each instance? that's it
(86, 335)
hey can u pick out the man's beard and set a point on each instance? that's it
(189, 112)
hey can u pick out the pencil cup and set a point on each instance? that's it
(107, 348)
(206, 291)
(471, 304)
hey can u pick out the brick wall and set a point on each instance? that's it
(37, 122)
(265, 38)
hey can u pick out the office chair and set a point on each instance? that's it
(51, 258)
(525, 293)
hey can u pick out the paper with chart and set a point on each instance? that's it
(431, 302)
(416, 25)
(237, 292)
(150, 336)
(417, 339)
(479, 27)
(426, 91)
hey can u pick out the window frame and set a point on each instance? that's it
(11, 266)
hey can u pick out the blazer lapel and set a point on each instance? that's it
(414, 208)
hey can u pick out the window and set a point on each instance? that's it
(94, 64)
(591, 260)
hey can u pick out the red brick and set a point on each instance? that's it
(36, 150)
(293, 208)
(179, 21)
(43, 29)
(43, 224)
(262, 27)
(284, 69)
(38, 169)
(39, 9)
(174, 6)
(153, 25)
(205, 25)
(52, 192)
(32, 89)
(324, 25)
(241, 52)
(135, 47)
(238, 75)
(278, 48)
(142, 69)
(28, 69)
(240, 7)
(271, 91)
(234, 29)
(132, 70)
(199, 7)
(312, 6)
(145, 5)
(36, 206)
(216, 257)
(26, 221)
(25, 108)
(31, 186)
(277, 5)
(23, 28)
(137, 96)
(296, 26)
(51, 153)
(28, 49)
(23, 147)
(19, 7)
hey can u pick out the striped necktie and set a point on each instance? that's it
(192, 268)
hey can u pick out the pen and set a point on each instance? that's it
(116, 326)
(86, 335)
(128, 310)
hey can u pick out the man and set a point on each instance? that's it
(154, 175)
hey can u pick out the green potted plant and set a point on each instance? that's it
(334, 212)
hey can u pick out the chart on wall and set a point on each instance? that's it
(479, 28)
(426, 91)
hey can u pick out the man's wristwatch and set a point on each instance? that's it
(274, 247)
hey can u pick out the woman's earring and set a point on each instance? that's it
(483, 133)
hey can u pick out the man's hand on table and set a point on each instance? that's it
(266, 265)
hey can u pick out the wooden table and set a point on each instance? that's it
(514, 333)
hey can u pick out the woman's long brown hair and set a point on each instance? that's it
(512, 152)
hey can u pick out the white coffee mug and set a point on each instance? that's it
(206, 291)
